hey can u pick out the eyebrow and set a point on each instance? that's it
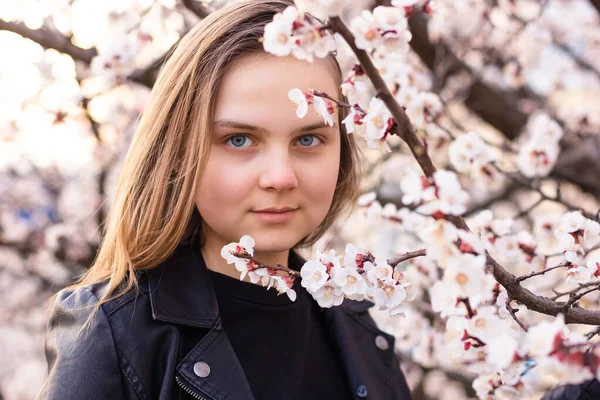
(228, 123)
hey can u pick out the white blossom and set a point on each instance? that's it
(299, 99)
(593, 263)
(353, 123)
(320, 8)
(537, 158)
(329, 295)
(464, 275)
(278, 38)
(447, 196)
(390, 294)
(469, 150)
(376, 124)
(322, 110)
(501, 348)
(579, 274)
(571, 222)
(314, 275)
(366, 31)
(541, 338)
(349, 280)
(283, 285)
(241, 264)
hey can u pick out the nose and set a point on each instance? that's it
(278, 172)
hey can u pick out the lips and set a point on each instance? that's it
(275, 215)
(276, 210)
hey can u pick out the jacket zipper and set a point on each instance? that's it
(187, 389)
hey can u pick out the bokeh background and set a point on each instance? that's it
(75, 76)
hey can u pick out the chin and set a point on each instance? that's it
(275, 242)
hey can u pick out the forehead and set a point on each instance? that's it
(255, 89)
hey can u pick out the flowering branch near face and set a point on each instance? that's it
(329, 279)
(468, 292)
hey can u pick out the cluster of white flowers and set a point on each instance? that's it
(517, 362)
(291, 33)
(539, 154)
(576, 234)
(518, 252)
(323, 107)
(469, 154)
(116, 58)
(374, 126)
(422, 107)
(385, 30)
(411, 221)
(439, 196)
(461, 255)
(361, 276)
(236, 253)
(356, 74)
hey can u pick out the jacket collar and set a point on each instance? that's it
(181, 290)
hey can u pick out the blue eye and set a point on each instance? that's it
(238, 141)
(308, 140)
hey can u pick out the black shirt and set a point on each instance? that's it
(282, 345)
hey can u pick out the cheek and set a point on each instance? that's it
(322, 179)
(223, 184)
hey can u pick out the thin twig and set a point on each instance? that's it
(558, 295)
(512, 312)
(574, 298)
(523, 277)
(277, 267)
(593, 333)
(392, 262)
(527, 210)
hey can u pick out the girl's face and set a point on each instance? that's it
(263, 156)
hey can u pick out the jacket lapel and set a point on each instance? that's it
(181, 293)
(213, 370)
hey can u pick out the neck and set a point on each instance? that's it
(211, 252)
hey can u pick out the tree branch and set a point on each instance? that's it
(406, 256)
(499, 108)
(407, 133)
(524, 277)
(197, 8)
(495, 106)
(50, 40)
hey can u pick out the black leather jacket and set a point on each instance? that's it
(168, 342)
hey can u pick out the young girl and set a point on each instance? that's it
(219, 154)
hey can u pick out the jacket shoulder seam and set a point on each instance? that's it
(118, 303)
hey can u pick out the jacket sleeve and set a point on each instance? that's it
(80, 365)
(587, 390)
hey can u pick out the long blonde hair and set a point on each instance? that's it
(154, 209)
